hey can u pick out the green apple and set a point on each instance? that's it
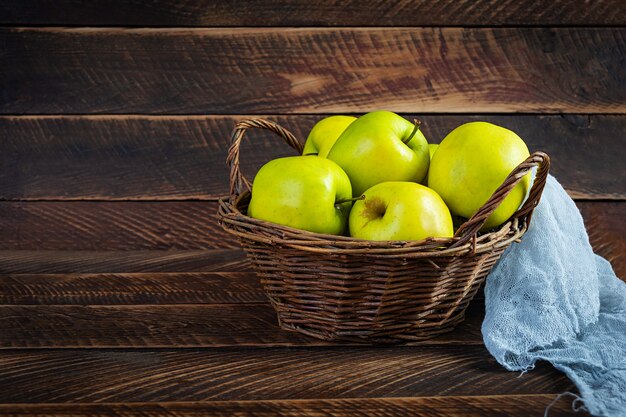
(471, 163)
(400, 211)
(381, 146)
(304, 192)
(432, 147)
(324, 134)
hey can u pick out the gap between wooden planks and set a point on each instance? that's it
(238, 13)
(453, 406)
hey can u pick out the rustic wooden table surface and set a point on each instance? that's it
(120, 295)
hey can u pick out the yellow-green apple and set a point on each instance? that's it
(304, 192)
(471, 163)
(381, 146)
(432, 147)
(325, 133)
(400, 210)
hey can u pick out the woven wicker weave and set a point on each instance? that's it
(342, 289)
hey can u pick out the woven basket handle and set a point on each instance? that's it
(470, 228)
(237, 180)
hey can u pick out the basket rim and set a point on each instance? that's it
(467, 239)
(235, 222)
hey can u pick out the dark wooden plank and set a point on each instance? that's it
(221, 287)
(606, 225)
(312, 13)
(124, 157)
(158, 157)
(131, 288)
(453, 406)
(226, 71)
(174, 326)
(86, 376)
(114, 226)
(50, 262)
(80, 225)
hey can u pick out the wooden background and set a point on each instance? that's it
(120, 295)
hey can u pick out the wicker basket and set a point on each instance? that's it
(339, 288)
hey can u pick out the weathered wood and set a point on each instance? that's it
(152, 326)
(123, 157)
(175, 287)
(93, 225)
(165, 157)
(313, 13)
(258, 70)
(606, 225)
(604, 222)
(86, 376)
(50, 262)
(131, 288)
(188, 225)
(452, 406)
(174, 326)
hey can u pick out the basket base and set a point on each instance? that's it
(387, 336)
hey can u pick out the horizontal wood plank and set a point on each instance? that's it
(86, 376)
(80, 225)
(452, 406)
(606, 226)
(125, 288)
(173, 326)
(135, 226)
(50, 262)
(183, 157)
(131, 288)
(312, 13)
(295, 70)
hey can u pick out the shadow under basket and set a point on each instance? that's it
(339, 288)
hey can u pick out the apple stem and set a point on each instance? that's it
(415, 129)
(347, 200)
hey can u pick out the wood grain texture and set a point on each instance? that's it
(80, 225)
(45, 376)
(604, 220)
(171, 326)
(131, 288)
(312, 13)
(173, 288)
(176, 326)
(117, 226)
(50, 262)
(183, 157)
(231, 71)
(606, 226)
(451, 406)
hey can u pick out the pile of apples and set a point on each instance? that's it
(377, 178)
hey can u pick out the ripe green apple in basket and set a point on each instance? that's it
(432, 147)
(381, 146)
(304, 192)
(471, 163)
(399, 210)
(325, 133)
